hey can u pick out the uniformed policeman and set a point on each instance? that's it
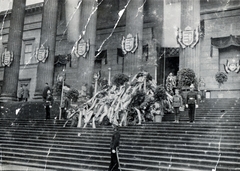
(191, 103)
(114, 146)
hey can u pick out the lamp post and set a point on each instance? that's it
(109, 76)
(61, 78)
(96, 77)
(156, 65)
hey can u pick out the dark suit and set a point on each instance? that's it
(114, 146)
(191, 101)
(48, 105)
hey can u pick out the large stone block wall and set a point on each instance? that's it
(219, 24)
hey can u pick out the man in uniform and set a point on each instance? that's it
(114, 149)
(191, 103)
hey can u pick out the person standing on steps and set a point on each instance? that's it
(25, 93)
(44, 94)
(48, 104)
(177, 102)
(114, 146)
(20, 94)
(65, 106)
(192, 103)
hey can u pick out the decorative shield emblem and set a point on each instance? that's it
(7, 58)
(81, 48)
(187, 37)
(41, 54)
(129, 44)
(232, 66)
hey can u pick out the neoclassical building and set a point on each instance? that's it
(83, 37)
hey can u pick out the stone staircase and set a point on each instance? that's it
(212, 143)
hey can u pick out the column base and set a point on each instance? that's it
(37, 96)
(7, 98)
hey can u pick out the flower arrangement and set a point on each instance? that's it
(120, 79)
(57, 88)
(160, 93)
(124, 102)
(72, 94)
(221, 77)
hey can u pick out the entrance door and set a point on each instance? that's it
(168, 63)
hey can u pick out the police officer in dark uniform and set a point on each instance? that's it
(191, 103)
(114, 149)
(48, 104)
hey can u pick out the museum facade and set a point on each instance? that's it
(81, 38)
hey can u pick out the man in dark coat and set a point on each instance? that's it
(114, 146)
(191, 103)
(44, 94)
(48, 104)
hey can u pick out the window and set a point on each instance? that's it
(28, 55)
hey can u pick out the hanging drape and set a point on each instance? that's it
(62, 59)
(224, 42)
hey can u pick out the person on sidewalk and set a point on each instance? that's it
(191, 103)
(114, 146)
(177, 102)
(48, 104)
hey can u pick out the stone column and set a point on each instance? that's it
(72, 8)
(88, 24)
(11, 73)
(45, 70)
(190, 16)
(134, 26)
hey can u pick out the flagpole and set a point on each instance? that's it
(63, 75)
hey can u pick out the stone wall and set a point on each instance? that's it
(219, 24)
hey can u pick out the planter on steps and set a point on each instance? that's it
(157, 118)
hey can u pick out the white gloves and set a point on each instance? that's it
(113, 151)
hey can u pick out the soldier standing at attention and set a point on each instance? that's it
(192, 103)
(114, 149)
(177, 102)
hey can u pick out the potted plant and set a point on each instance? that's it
(72, 94)
(221, 77)
(186, 77)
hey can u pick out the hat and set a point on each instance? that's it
(191, 86)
